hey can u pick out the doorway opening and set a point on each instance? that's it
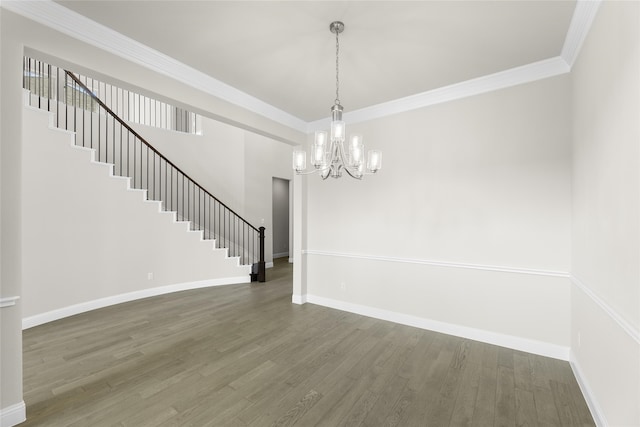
(281, 218)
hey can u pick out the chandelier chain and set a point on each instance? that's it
(337, 101)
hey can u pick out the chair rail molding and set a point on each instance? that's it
(437, 263)
(8, 301)
(627, 327)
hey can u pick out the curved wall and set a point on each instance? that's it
(89, 241)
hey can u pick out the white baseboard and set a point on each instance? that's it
(518, 343)
(268, 264)
(281, 255)
(13, 415)
(592, 403)
(298, 299)
(72, 310)
(290, 260)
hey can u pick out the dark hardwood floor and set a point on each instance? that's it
(243, 355)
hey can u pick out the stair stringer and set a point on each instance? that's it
(90, 240)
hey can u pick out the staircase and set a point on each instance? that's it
(109, 141)
(107, 218)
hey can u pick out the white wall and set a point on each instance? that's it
(605, 298)
(16, 35)
(482, 182)
(299, 238)
(264, 159)
(214, 159)
(12, 408)
(235, 165)
(87, 241)
(58, 286)
(67, 50)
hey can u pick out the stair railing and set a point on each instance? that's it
(98, 127)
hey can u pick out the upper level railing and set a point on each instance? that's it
(47, 81)
(76, 107)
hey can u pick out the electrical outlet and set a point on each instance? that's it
(149, 276)
(343, 286)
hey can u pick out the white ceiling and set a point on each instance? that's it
(282, 52)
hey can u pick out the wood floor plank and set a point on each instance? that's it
(505, 357)
(244, 355)
(564, 404)
(439, 356)
(484, 412)
(341, 410)
(385, 398)
(399, 411)
(541, 371)
(525, 408)
(441, 411)
(414, 361)
(360, 409)
(464, 406)
(291, 416)
(331, 396)
(522, 373)
(371, 358)
(505, 397)
(313, 371)
(546, 411)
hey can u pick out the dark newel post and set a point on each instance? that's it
(261, 266)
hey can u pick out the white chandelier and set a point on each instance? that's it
(329, 156)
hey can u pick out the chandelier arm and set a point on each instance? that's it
(353, 172)
(359, 176)
(312, 171)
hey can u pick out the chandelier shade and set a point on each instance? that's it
(329, 156)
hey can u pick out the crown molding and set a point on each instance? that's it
(503, 79)
(66, 21)
(53, 15)
(581, 21)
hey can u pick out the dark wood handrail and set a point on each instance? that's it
(137, 135)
